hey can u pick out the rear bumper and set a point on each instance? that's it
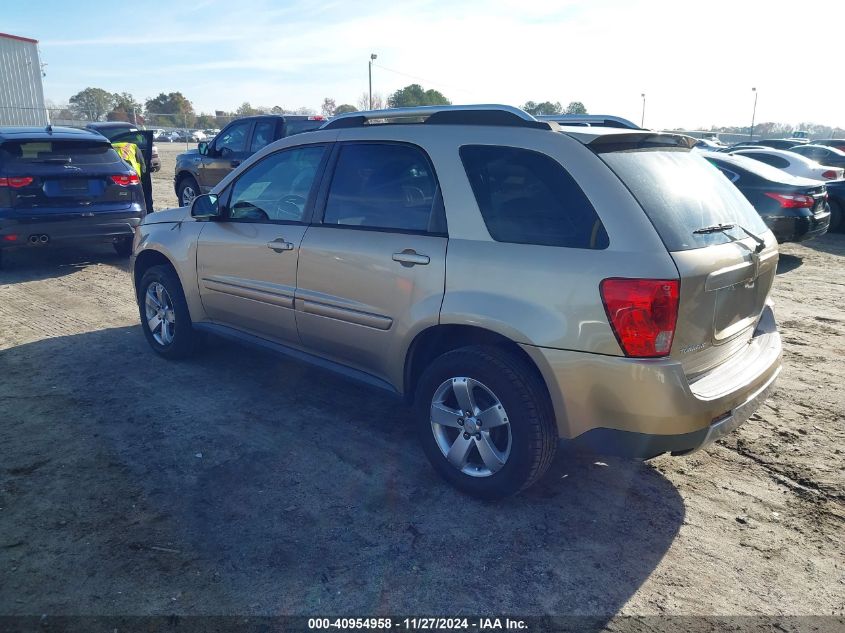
(798, 229)
(642, 408)
(102, 226)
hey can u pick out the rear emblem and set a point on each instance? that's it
(692, 348)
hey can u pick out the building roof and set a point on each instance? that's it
(19, 38)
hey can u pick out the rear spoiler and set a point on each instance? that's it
(640, 140)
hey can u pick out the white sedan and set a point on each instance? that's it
(792, 163)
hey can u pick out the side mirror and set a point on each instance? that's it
(205, 207)
(203, 148)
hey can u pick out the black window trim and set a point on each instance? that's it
(308, 213)
(438, 205)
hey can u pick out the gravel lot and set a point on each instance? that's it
(239, 483)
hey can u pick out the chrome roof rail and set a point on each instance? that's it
(483, 114)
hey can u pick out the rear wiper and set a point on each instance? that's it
(721, 228)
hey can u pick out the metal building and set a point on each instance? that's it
(21, 90)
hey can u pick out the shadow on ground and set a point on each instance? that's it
(833, 243)
(239, 483)
(788, 263)
(34, 263)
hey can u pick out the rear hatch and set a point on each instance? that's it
(725, 273)
(59, 176)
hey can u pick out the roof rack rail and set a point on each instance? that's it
(483, 114)
(590, 120)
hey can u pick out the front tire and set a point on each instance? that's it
(485, 422)
(187, 190)
(164, 314)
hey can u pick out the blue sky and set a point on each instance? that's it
(692, 59)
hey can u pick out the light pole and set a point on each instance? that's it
(373, 56)
(642, 119)
(753, 115)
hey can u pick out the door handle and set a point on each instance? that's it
(235, 163)
(280, 245)
(409, 257)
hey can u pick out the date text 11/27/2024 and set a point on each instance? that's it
(419, 624)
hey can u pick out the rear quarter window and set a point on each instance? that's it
(680, 192)
(526, 197)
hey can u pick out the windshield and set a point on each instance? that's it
(681, 192)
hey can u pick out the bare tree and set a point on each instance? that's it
(329, 106)
(364, 101)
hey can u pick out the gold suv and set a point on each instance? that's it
(518, 281)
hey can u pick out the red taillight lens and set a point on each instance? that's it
(793, 200)
(10, 238)
(125, 181)
(830, 174)
(642, 313)
(16, 182)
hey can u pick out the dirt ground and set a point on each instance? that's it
(239, 483)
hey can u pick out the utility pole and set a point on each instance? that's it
(753, 115)
(642, 119)
(373, 57)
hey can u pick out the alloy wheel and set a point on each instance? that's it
(470, 426)
(158, 309)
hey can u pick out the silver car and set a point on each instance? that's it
(517, 281)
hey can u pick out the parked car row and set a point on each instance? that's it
(794, 208)
(783, 180)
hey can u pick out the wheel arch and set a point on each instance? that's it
(145, 260)
(181, 175)
(439, 339)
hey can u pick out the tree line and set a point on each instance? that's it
(175, 110)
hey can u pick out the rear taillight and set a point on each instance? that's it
(317, 117)
(642, 313)
(126, 180)
(16, 182)
(830, 174)
(793, 200)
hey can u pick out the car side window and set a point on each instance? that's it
(232, 139)
(384, 186)
(276, 188)
(526, 197)
(769, 159)
(262, 135)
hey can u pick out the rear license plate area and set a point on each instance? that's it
(74, 185)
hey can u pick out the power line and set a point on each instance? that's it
(423, 79)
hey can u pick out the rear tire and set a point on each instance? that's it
(509, 440)
(123, 246)
(164, 314)
(187, 190)
(837, 218)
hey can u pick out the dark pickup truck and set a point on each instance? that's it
(197, 171)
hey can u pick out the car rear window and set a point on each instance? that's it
(66, 152)
(296, 126)
(526, 197)
(681, 192)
